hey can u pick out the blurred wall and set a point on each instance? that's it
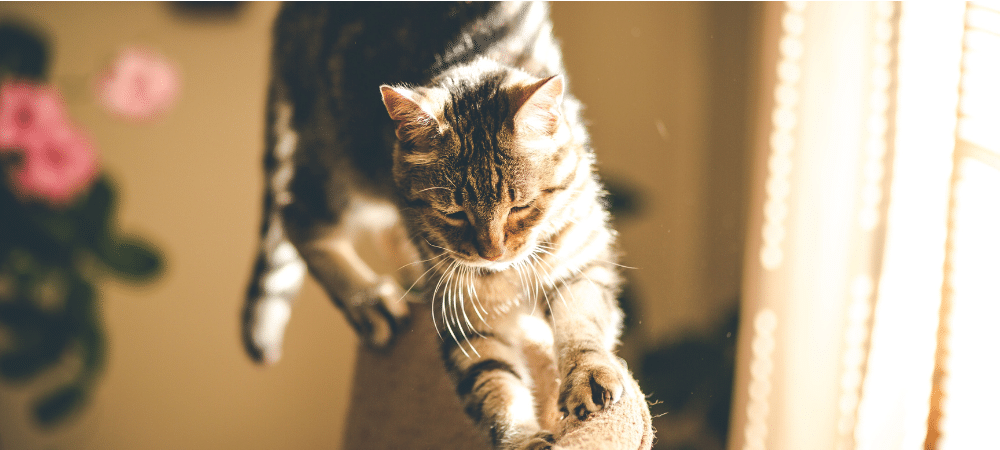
(665, 90)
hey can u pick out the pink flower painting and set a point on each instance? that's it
(25, 108)
(58, 161)
(140, 85)
(59, 164)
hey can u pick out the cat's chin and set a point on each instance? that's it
(482, 264)
(494, 266)
(491, 266)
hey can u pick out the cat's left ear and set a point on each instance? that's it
(538, 109)
(413, 123)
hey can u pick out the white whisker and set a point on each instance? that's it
(460, 287)
(552, 282)
(422, 276)
(449, 297)
(435, 187)
(434, 298)
(470, 289)
(439, 247)
(520, 275)
(534, 272)
(475, 298)
(444, 311)
(419, 262)
(545, 292)
(461, 303)
(543, 248)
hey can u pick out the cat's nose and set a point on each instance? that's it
(492, 254)
(491, 242)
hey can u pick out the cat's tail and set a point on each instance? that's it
(279, 270)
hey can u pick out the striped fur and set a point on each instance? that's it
(476, 171)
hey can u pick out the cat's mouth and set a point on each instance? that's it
(508, 260)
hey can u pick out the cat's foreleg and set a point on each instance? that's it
(586, 324)
(373, 303)
(394, 246)
(494, 386)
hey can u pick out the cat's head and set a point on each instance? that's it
(483, 157)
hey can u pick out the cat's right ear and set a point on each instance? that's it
(413, 123)
(538, 105)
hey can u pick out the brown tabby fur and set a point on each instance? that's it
(477, 173)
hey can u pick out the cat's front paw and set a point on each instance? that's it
(594, 382)
(378, 312)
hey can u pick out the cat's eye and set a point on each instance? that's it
(524, 207)
(457, 216)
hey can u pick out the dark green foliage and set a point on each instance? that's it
(131, 258)
(50, 261)
(40, 338)
(52, 408)
(23, 52)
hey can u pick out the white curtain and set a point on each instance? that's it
(872, 279)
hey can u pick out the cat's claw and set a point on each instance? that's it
(595, 383)
(378, 313)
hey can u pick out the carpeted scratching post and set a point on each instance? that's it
(403, 398)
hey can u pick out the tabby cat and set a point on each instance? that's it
(475, 170)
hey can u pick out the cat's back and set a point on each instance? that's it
(354, 44)
(395, 42)
(331, 58)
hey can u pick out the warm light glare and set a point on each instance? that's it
(782, 142)
(972, 368)
(970, 364)
(979, 109)
(761, 367)
(895, 403)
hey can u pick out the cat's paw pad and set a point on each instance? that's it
(594, 383)
(379, 312)
(542, 440)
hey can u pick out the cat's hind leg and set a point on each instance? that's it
(279, 270)
(277, 278)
